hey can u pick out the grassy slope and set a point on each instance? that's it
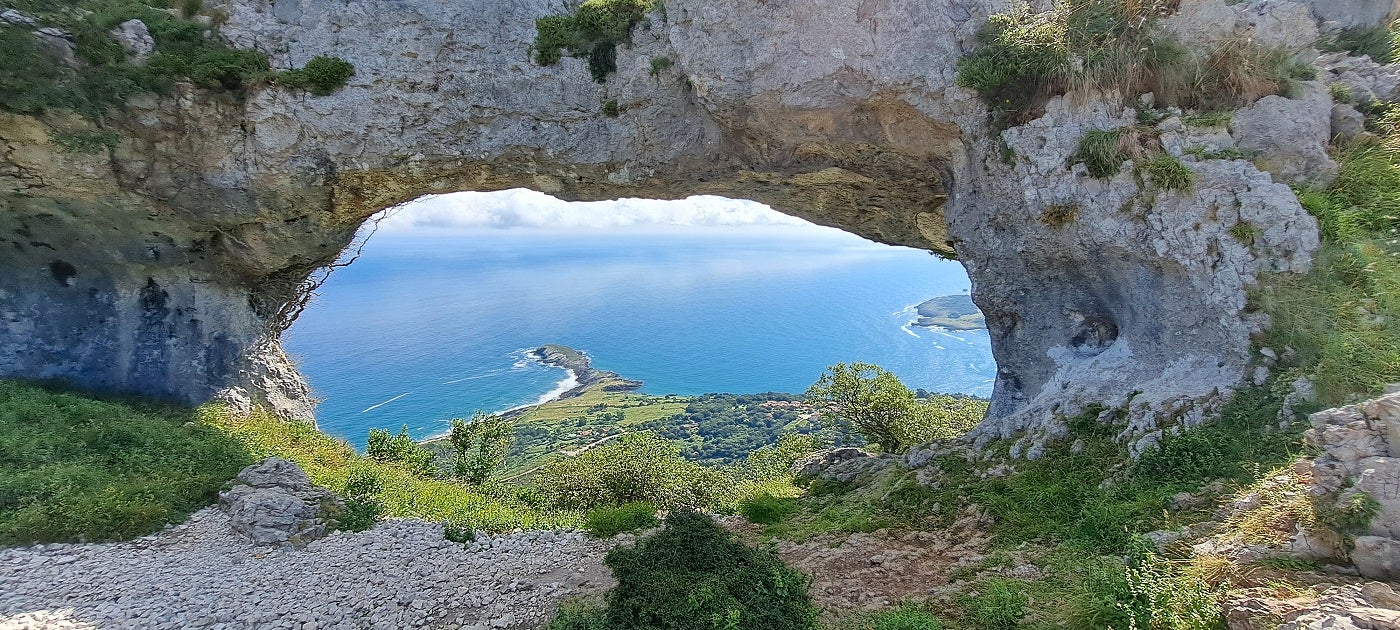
(331, 462)
(73, 467)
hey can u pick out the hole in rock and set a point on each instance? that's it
(437, 316)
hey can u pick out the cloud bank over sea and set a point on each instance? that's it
(522, 209)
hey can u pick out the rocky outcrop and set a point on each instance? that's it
(841, 465)
(274, 503)
(1358, 471)
(170, 265)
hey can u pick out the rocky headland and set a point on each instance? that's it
(954, 312)
(584, 374)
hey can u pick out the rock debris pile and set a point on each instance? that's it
(201, 574)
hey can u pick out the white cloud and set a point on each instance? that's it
(527, 209)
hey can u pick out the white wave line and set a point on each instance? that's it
(373, 407)
(913, 334)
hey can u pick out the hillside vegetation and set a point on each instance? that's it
(34, 78)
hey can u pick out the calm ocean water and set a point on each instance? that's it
(422, 329)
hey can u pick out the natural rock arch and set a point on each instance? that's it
(166, 267)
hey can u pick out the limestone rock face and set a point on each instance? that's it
(1290, 135)
(275, 503)
(169, 265)
(1360, 453)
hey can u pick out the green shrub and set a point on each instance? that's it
(611, 108)
(638, 466)
(458, 532)
(692, 575)
(75, 468)
(32, 80)
(1168, 173)
(606, 522)
(1000, 604)
(1350, 514)
(767, 509)
(360, 513)
(592, 31)
(1340, 92)
(1339, 318)
(1024, 56)
(399, 449)
(321, 76)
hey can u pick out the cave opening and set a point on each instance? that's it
(448, 294)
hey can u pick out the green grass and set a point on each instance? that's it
(906, 617)
(607, 522)
(73, 467)
(402, 492)
(1102, 152)
(1168, 173)
(1341, 318)
(766, 509)
(1379, 42)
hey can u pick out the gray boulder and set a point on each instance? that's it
(1377, 557)
(842, 465)
(136, 39)
(1290, 135)
(276, 503)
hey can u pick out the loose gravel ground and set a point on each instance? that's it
(400, 574)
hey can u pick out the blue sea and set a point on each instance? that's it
(424, 328)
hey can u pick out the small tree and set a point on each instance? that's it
(480, 445)
(399, 449)
(864, 399)
(867, 400)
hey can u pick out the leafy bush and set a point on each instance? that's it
(592, 31)
(635, 467)
(399, 449)
(866, 400)
(321, 76)
(75, 468)
(692, 575)
(480, 446)
(360, 514)
(999, 605)
(1168, 173)
(767, 509)
(606, 522)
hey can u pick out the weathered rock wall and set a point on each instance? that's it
(169, 266)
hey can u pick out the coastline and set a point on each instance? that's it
(582, 377)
